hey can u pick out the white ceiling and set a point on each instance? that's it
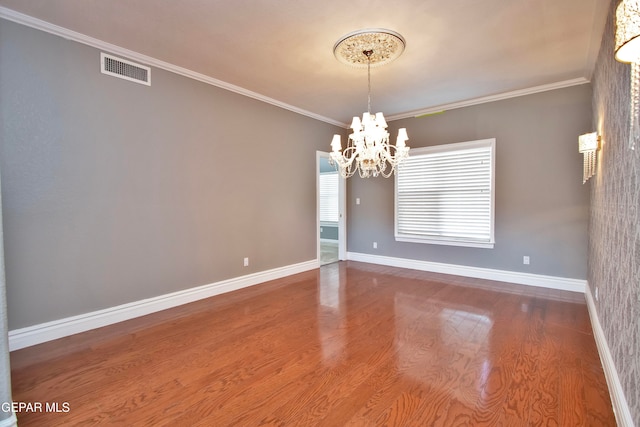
(457, 50)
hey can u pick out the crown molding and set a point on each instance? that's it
(29, 21)
(68, 34)
(491, 98)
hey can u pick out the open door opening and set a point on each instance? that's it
(331, 218)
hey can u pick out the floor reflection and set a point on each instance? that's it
(437, 343)
(328, 251)
(331, 313)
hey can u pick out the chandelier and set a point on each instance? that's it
(368, 150)
(627, 50)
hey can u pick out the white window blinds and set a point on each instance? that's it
(329, 211)
(445, 195)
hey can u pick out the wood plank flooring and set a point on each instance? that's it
(350, 344)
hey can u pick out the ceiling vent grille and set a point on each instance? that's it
(118, 67)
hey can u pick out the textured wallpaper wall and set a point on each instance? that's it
(614, 229)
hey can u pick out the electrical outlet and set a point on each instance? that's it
(357, 200)
(375, 245)
(525, 260)
(596, 293)
(246, 262)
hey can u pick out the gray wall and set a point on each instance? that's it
(114, 191)
(614, 229)
(541, 204)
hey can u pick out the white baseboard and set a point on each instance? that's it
(561, 283)
(32, 335)
(618, 400)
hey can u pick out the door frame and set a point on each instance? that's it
(342, 205)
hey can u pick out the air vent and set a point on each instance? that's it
(118, 67)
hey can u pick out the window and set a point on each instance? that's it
(329, 211)
(445, 195)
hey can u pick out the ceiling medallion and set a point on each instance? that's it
(386, 45)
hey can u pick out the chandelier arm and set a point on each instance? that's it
(387, 175)
(345, 161)
(350, 153)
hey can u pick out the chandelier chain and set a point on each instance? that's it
(368, 55)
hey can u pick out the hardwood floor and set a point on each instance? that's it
(348, 344)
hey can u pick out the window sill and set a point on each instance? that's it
(486, 245)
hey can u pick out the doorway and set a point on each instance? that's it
(331, 218)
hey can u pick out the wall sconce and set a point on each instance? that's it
(628, 50)
(588, 144)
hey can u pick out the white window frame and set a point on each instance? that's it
(486, 242)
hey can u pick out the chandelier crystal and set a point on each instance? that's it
(368, 150)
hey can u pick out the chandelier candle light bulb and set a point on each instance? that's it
(368, 150)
